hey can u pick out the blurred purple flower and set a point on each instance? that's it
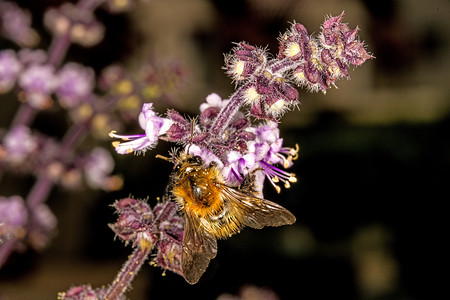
(9, 70)
(38, 82)
(20, 225)
(118, 6)
(19, 143)
(75, 84)
(15, 24)
(30, 57)
(13, 218)
(79, 24)
(97, 170)
(42, 226)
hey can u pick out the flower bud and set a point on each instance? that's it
(244, 61)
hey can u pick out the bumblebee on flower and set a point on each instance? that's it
(225, 155)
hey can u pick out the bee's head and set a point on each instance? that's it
(186, 163)
(183, 162)
(195, 160)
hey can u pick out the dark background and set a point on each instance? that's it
(373, 164)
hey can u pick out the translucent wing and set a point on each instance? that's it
(256, 212)
(199, 247)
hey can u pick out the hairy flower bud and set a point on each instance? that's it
(244, 61)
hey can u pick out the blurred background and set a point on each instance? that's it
(373, 165)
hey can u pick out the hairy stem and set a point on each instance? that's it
(6, 247)
(226, 114)
(282, 66)
(129, 270)
(58, 49)
(24, 116)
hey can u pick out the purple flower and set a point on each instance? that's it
(98, 168)
(17, 222)
(267, 92)
(117, 6)
(154, 127)
(19, 143)
(171, 230)
(295, 44)
(213, 100)
(135, 221)
(268, 151)
(38, 82)
(9, 70)
(79, 24)
(245, 61)
(43, 224)
(13, 217)
(30, 57)
(15, 24)
(161, 226)
(111, 76)
(75, 84)
(321, 61)
(206, 155)
(238, 165)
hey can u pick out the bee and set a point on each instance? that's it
(213, 210)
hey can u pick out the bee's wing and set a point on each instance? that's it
(199, 247)
(257, 212)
